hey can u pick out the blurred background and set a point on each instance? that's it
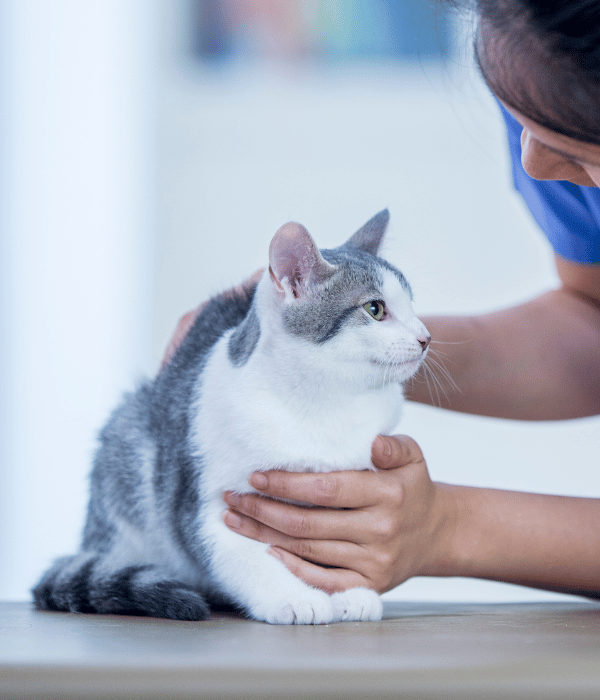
(151, 148)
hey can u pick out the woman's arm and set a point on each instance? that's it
(536, 361)
(546, 542)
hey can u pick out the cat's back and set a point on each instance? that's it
(154, 418)
(144, 446)
(220, 314)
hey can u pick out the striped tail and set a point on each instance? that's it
(81, 584)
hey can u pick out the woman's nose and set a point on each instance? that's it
(541, 163)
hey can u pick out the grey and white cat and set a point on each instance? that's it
(301, 374)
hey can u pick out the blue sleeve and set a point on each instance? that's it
(568, 214)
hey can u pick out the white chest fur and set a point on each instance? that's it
(253, 418)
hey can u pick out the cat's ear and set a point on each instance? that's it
(295, 263)
(369, 236)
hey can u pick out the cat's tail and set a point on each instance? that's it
(82, 583)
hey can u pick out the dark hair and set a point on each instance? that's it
(542, 57)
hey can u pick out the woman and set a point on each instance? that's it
(540, 360)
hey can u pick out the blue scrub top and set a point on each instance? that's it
(568, 214)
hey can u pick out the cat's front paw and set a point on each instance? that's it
(311, 607)
(357, 604)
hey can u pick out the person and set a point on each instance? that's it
(536, 361)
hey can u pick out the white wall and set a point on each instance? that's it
(77, 94)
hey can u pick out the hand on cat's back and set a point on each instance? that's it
(187, 320)
(368, 528)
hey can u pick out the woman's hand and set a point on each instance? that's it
(369, 528)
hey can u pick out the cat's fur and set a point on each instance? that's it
(295, 375)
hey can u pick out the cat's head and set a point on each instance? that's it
(352, 305)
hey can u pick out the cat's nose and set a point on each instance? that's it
(424, 342)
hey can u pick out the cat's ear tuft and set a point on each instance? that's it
(368, 238)
(295, 263)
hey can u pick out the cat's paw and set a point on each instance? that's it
(310, 607)
(357, 604)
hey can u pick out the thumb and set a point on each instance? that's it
(393, 451)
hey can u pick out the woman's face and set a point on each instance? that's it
(548, 155)
(545, 154)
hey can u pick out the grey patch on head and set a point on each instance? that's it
(244, 339)
(365, 264)
(336, 304)
(337, 324)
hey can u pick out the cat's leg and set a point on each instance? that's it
(88, 582)
(257, 582)
(357, 604)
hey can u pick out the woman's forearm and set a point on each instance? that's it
(546, 542)
(536, 361)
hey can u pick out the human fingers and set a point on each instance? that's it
(350, 489)
(187, 320)
(247, 285)
(183, 326)
(328, 580)
(394, 451)
(301, 522)
(374, 562)
(331, 553)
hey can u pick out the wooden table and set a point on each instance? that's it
(419, 650)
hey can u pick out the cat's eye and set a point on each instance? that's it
(375, 308)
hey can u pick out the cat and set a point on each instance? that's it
(301, 373)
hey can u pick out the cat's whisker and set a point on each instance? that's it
(439, 353)
(438, 384)
(436, 370)
(439, 364)
(433, 367)
(450, 342)
(423, 375)
(435, 400)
